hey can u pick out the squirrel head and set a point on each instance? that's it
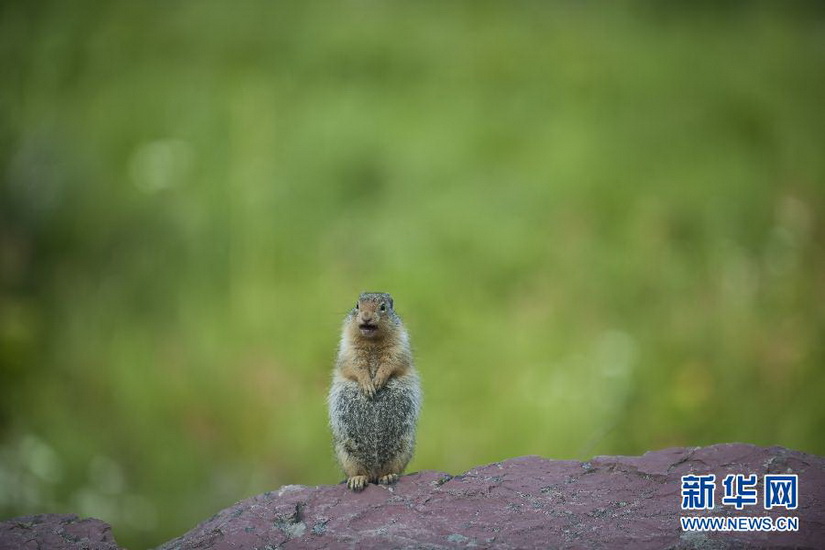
(373, 315)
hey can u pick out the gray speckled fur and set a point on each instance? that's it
(376, 432)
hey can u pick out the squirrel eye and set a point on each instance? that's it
(356, 305)
(383, 307)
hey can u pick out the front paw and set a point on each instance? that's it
(379, 382)
(369, 389)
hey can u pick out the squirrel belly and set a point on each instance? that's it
(374, 437)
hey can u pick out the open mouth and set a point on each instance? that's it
(368, 329)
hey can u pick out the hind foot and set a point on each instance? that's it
(388, 479)
(357, 483)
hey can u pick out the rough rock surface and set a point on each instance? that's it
(527, 502)
(58, 531)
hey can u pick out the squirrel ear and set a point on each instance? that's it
(391, 303)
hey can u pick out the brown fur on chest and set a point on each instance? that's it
(372, 358)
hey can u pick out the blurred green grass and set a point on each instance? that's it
(602, 223)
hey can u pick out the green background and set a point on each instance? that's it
(602, 224)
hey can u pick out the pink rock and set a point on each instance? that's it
(526, 502)
(56, 531)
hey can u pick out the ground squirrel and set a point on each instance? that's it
(375, 395)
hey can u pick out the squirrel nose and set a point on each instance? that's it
(366, 317)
